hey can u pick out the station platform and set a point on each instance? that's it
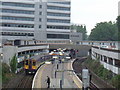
(57, 72)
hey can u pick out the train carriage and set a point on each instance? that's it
(31, 65)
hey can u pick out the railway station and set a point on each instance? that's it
(40, 48)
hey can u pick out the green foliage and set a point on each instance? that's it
(103, 73)
(81, 29)
(0, 72)
(116, 81)
(5, 70)
(13, 64)
(118, 25)
(104, 31)
(6, 74)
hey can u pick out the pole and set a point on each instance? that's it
(63, 73)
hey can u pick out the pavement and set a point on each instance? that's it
(63, 72)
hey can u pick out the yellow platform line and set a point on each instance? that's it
(75, 77)
(40, 74)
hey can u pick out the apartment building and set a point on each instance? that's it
(47, 20)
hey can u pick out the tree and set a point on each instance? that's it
(118, 25)
(81, 29)
(104, 31)
(13, 64)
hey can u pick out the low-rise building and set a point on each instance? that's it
(75, 37)
(109, 58)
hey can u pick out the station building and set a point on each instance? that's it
(46, 20)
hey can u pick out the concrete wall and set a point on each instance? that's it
(114, 44)
(114, 69)
(8, 53)
(21, 49)
(75, 37)
(110, 54)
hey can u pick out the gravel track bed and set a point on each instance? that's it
(19, 82)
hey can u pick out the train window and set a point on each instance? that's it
(30, 62)
(26, 62)
(34, 63)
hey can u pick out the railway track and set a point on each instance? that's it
(25, 82)
(78, 66)
(21, 81)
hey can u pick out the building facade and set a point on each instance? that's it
(109, 58)
(35, 20)
(75, 37)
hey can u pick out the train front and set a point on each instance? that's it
(30, 66)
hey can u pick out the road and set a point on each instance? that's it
(70, 79)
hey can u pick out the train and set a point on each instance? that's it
(31, 65)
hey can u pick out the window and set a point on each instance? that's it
(26, 62)
(17, 18)
(16, 34)
(58, 27)
(17, 11)
(111, 44)
(105, 59)
(40, 6)
(40, 13)
(114, 44)
(34, 63)
(39, 26)
(101, 58)
(58, 14)
(18, 25)
(58, 36)
(40, 19)
(17, 4)
(58, 8)
(58, 21)
(67, 3)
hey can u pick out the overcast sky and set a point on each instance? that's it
(90, 12)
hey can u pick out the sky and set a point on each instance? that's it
(90, 12)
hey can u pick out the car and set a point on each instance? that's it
(48, 62)
(68, 58)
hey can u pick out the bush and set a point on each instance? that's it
(13, 64)
(0, 72)
(100, 71)
(103, 73)
(116, 81)
(5, 71)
